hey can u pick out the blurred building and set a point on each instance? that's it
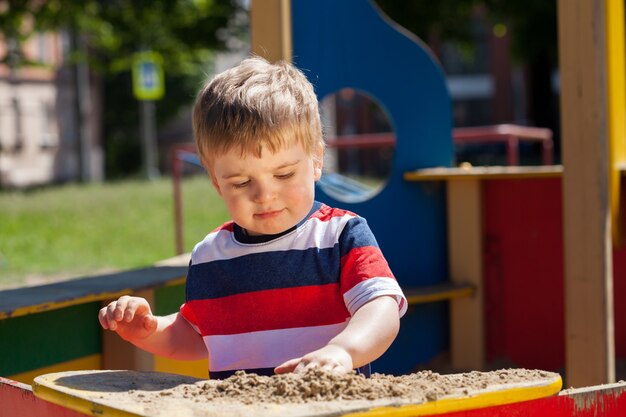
(40, 130)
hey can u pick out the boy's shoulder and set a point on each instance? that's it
(228, 226)
(326, 213)
(223, 230)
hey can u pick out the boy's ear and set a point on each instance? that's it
(318, 162)
(317, 173)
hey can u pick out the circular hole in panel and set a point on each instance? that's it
(360, 144)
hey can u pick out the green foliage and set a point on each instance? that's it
(78, 230)
(106, 34)
(181, 30)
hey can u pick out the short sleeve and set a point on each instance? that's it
(365, 273)
(188, 315)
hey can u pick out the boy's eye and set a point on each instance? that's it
(240, 184)
(284, 176)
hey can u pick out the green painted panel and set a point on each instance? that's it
(168, 299)
(44, 339)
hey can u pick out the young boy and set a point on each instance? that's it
(289, 283)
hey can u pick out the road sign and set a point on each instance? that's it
(148, 78)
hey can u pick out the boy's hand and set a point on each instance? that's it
(130, 317)
(331, 357)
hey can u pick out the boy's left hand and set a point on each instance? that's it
(331, 357)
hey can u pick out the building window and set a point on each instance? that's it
(48, 133)
(17, 119)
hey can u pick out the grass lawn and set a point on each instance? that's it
(77, 230)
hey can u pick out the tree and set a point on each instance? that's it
(185, 32)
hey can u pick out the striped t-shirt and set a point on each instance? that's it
(260, 301)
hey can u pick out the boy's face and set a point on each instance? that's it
(270, 194)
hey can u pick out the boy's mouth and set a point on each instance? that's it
(268, 214)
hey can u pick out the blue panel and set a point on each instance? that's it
(349, 43)
(413, 346)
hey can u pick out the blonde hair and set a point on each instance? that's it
(256, 105)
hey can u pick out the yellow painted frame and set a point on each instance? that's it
(79, 404)
(450, 405)
(616, 96)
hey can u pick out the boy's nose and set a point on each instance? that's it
(263, 191)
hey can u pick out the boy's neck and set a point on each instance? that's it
(242, 235)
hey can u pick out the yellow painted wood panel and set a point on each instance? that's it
(616, 90)
(86, 363)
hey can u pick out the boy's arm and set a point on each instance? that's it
(169, 336)
(369, 333)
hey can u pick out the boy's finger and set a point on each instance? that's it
(302, 368)
(110, 311)
(288, 366)
(136, 307)
(120, 307)
(329, 367)
(130, 310)
(102, 318)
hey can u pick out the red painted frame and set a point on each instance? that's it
(18, 400)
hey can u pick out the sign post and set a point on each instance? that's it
(148, 86)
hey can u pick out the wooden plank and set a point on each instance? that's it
(270, 27)
(465, 252)
(590, 351)
(28, 300)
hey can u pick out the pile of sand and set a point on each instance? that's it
(319, 385)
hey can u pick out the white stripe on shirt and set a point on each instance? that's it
(313, 234)
(266, 349)
(372, 288)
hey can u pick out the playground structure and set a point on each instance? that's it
(509, 266)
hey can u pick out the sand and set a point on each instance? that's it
(315, 393)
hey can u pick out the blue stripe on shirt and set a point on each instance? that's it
(356, 234)
(267, 270)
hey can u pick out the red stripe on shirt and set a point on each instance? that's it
(228, 226)
(360, 264)
(325, 213)
(266, 310)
